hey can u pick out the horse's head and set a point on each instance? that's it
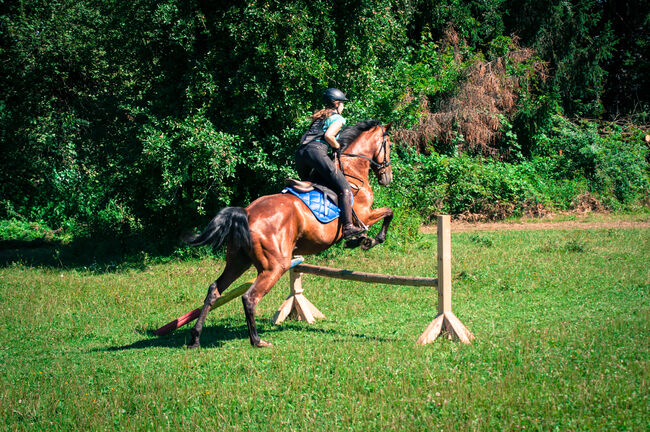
(381, 158)
(368, 141)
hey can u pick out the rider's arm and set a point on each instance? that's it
(332, 131)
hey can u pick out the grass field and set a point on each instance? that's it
(561, 320)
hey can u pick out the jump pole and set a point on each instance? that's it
(298, 307)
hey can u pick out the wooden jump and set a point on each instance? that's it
(298, 307)
(365, 277)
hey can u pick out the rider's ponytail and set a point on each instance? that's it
(322, 114)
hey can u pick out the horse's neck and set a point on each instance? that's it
(357, 166)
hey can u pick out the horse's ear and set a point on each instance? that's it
(389, 126)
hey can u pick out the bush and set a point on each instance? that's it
(570, 161)
(18, 231)
(610, 163)
(438, 184)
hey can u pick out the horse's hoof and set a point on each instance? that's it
(368, 243)
(353, 243)
(263, 344)
(193, 345)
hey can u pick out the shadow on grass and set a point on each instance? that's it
(215, 336)
(97, 255)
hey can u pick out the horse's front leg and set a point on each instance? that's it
(385, 213)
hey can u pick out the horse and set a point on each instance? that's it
(274, 228)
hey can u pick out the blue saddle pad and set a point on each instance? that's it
(321, 206)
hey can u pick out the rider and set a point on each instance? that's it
(312, 154)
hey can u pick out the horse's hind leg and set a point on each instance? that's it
(263, 284)
(235, 267)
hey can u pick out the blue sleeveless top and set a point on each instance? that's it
(318, 128)
(332, 119)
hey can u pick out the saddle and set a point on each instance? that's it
(307, 186)
(321, 200)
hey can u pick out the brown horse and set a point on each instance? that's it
(274, 228)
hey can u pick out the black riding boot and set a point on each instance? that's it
(349, 229)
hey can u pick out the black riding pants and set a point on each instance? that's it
(314, 156)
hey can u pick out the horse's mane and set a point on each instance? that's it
(349, 134)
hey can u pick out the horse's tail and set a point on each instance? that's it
(231, 224)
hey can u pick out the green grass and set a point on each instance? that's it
(561, 320)
(642, 215)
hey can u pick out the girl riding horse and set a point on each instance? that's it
(312, 155)
(274, 228)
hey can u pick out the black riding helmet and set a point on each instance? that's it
(333, 94)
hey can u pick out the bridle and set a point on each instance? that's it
(378, 166)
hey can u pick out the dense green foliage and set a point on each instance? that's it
(561, 320)
(121, 116)
(570, 161)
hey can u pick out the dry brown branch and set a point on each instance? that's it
(475, 111)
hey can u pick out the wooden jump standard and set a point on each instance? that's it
(445, 320)
(298, 307)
